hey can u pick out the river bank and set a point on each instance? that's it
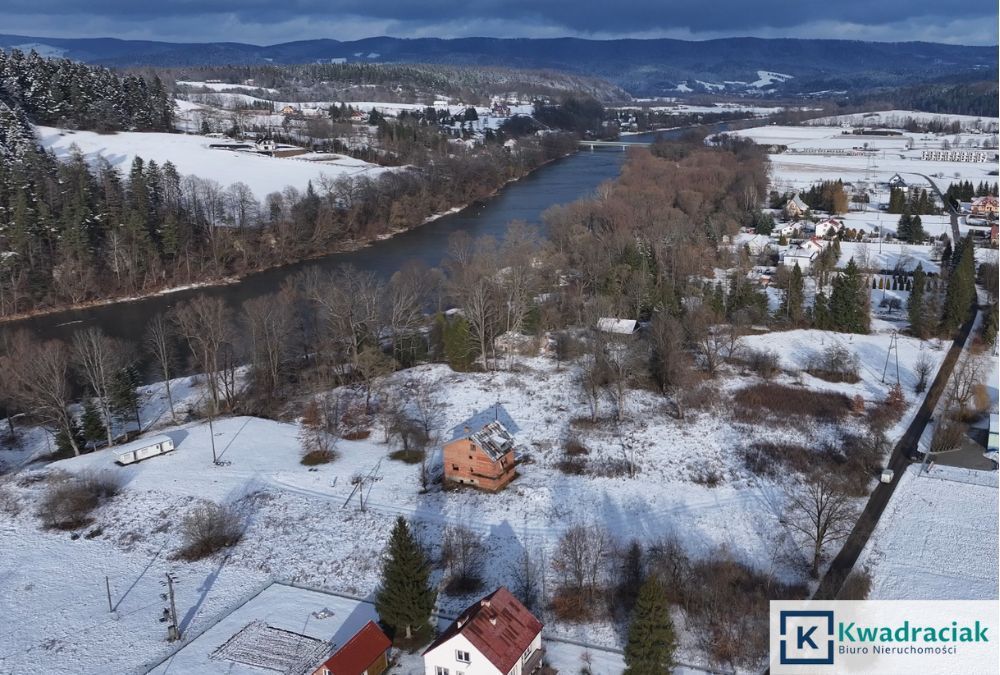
(559, 181)
(230, 279)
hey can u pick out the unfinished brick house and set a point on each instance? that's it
(484, 459)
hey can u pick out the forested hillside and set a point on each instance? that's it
(72, 234)
(405, 83)
(65, 93)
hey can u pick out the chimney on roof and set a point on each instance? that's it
(484, 603)
(493, 620)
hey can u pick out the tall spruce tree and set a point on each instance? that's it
(405, 599)
(92, 426)
(651, 640)
(961, 287)
(793, 305)
(917, 233)
(915, 306)
(903, 227)
(123, 398)
(849, 312)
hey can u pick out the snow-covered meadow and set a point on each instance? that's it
(304, 526)
(193, 156)
(937, 538)
(822, 150)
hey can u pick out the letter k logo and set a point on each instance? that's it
(803, 636)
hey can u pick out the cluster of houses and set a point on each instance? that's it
(496, 635)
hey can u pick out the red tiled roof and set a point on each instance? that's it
(359, 652)
(499, 626)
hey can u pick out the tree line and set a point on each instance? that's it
(76, 233)
(73, 95)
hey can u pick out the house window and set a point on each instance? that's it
(440, 671)
(462, 657)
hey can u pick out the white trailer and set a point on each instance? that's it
(144, 449)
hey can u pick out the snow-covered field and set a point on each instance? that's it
(222, 86)
(937, 539)
(812, 156)
(192, 156)
(303, 527)
(896, 118)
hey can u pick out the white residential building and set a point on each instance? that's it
(828, 226)
(495, 636)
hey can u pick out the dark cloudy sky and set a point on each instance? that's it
(972, 22)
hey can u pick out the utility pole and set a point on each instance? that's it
(170, 613)
(893, 347)
(107, 587)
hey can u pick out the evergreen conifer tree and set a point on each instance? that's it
(903, 226)
(961, 289)
(405, 599)
(915, 306)
(92, 425)
(793, 305)
(651, 640)
(123, 398)
(849, 301)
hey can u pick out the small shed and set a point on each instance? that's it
(619, 326)
(144, 448)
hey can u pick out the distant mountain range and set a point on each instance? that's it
(745, 66)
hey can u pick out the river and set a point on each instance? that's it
(560, 182)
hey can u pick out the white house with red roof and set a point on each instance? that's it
(828, 226)
(495, 636)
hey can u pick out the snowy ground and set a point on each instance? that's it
(810, 157)
(896, 118)
(302, 528)
(937, 539)
(192, 156)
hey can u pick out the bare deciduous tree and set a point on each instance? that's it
(98, 357)
(160, 344)
(948, 436)
(526, 578)
(269, 325)
(580, 559)
(206, 325)
(39, 376)
(463, 555)
(922, 369)
(966, 380)
(821, 511)
(619, 364)
(592, 376)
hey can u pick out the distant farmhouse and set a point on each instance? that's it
(984, 207)
(897, 183)
(796, 208)
(803, 254)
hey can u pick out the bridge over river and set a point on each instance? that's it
(613, 144)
